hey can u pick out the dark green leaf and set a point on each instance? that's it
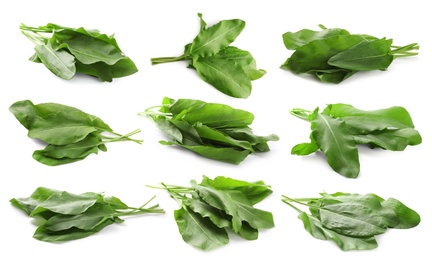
(334, 140)
(59, 62)
(393, 140)
(408, 218)
(223, 154)
(226, 76)
(47, 235)
(346, 243)
(315, 55)
(366, 55)
(207, 211)
(254, 191)
(199, 231)
(215, 38)
(294, 40)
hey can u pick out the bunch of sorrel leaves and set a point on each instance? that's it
(66, 51)
(70, 134)
(351, 220)
(63, 216)
(339, 128)
(227, 68)
(212, 130)
(212, 206)
(333, 55)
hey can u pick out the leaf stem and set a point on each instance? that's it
(404, 51)
(160, 60)
(152, 113)
(121, 138)
(301, 113)
(285, 200)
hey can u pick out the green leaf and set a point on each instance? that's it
(39, 156)
(215, 115)
(37, 197)
(58, 130)
(76, 150)
(226, 76)
(207, 211)
(25, 112)
(59, 62)
(87, 49)
(215, 38)
(315, 55)
(253, 191)
(393, 140)
(216, 137)
(334, 76)
(335, 141)
(352, 219)
(223, 154)
(88, 220)
(305, 148)
(67, 203)
(364, 56)
(407, 217)
(245, 133)
(366, 121)
(47, 235)
(294, 40)
(220, 200)
(169, 129)
(256, 218)
(199, 231)
(346, 243)
(247, 232)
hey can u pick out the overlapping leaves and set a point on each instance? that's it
(351, 220)
(227, 68)
(66, 51)
(333, 55)
(64, 216)
(212, 130)
(211, 207)
(70, 134)
(339, 128)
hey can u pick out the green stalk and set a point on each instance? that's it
(285, 200)
(121, 138)
(160, 60)
(140, 210)
(301, 113)
(404, 51)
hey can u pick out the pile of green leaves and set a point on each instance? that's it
(63, 216)
(338, 129)
(351, 220)
(212, 130)
(227, 68)
(71, 134)
(66, 51)
(333, 55)
(211, 207)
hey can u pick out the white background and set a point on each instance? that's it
(161, 28)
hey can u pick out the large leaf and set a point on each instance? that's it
(88, 220)
(47, 235)
(315, 54)
(297, 39)
(67, 203)
(253, 191)
(393, 140)
(346, 243)
(366, 121)
(215, 38)
(220, 200)
(352, 219)
(407, 217)
(199, 231)
(226, 76)
(87, 49)
(37, 197)
(59, 62)
(207, 211)
(216, 137)
(215, 115)
(335, 141)
(25, 112)
(364, 56)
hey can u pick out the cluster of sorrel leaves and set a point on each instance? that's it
(212, 130)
